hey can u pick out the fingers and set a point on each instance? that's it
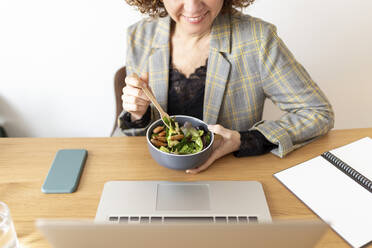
(135, 81)
(134, 85)
(225, 142)
(218, 129)
(145, 77)
(134, 108)
(134, 103)
(130, 92)
(134, 100)
(216, 154)
(202, 167)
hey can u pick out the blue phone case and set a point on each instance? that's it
(64, 174)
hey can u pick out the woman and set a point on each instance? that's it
(203, 58)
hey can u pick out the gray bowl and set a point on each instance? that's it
(179, 162)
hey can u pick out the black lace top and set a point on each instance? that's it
(186, 97)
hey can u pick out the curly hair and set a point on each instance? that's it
(155, 8)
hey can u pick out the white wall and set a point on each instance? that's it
(57, 62)
(332, 39)
(58, 59)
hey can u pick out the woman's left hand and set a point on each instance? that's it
(228, 143)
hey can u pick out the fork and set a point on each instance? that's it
(154, 101)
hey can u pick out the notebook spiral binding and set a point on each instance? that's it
(348, 170)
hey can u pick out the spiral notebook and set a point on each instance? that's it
(337, 186)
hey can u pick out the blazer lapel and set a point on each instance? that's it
(218, 69)
(159, 62)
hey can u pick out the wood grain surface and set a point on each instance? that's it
(24, 163)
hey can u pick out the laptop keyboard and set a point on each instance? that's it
(175, 219)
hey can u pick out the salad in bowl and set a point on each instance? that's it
(185, 144)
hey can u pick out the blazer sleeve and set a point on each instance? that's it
(308, 112)
(133, 65)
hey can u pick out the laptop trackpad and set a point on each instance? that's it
(182, 197)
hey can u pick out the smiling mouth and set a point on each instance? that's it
(195, 19)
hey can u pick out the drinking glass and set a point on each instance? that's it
(8, 236)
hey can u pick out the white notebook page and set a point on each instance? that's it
(358, 155)
(332, 195)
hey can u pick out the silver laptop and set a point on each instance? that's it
(81, 234)
(219, 214)
(169, 202)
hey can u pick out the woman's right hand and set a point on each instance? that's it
(134, 99)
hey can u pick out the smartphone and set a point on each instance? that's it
(65, 171)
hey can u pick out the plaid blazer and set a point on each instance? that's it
(247, 63)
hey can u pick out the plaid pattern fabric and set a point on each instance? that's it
(247, 63)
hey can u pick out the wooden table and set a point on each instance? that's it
(24, 163)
